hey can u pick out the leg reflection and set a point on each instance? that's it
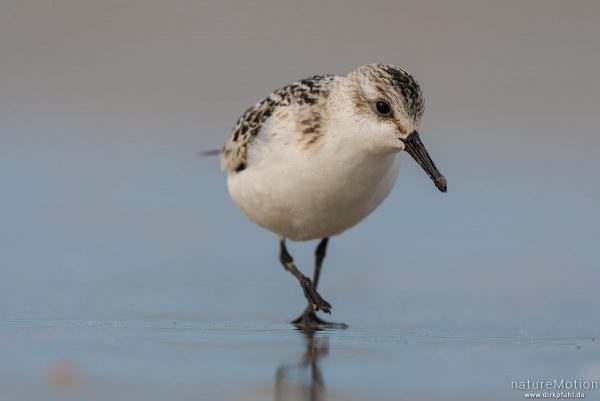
(291, 381)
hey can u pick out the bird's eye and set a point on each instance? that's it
(383, 108)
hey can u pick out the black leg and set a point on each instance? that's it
(319, 256)
(315, 301)
(309, 319)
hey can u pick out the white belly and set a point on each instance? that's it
(304, 198)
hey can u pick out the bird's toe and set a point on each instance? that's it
(324, 306)
(315, 300)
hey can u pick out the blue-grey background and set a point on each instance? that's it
(121, 252)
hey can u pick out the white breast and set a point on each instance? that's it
(315, 192)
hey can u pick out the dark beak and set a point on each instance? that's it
(416, 149)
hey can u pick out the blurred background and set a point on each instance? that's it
(113, 230)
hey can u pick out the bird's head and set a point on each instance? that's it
(384, 106)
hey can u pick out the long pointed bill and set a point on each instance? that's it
(416, 149)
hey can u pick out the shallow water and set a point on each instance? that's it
(155, 360)
(140, 286)
(148, 284)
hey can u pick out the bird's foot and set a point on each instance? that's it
(311, 322)
(315, 301)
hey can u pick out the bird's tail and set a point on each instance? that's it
(212, 152)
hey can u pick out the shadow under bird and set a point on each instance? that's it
(316, 157)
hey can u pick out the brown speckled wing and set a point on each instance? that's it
(305, 92)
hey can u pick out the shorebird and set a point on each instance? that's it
(316, 157)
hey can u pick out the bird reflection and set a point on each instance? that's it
(291, 381)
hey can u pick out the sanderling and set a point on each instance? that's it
(315, 157)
